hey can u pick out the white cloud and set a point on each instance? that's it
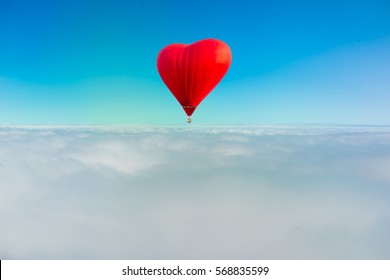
(273, 192)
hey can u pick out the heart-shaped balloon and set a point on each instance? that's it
(192, 71)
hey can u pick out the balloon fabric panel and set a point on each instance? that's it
(191, 72)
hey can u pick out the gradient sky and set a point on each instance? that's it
(84, 61)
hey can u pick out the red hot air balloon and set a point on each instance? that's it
(192, 71)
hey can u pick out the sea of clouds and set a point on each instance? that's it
(195, 192)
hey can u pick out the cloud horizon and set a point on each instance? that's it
(199, 192)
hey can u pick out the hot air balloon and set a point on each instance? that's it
(192, 71)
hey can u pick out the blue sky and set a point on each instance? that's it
(76, 62)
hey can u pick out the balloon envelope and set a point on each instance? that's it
(192, 71)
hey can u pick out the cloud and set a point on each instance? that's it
(199, 192)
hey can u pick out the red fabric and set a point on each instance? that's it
(191, 72)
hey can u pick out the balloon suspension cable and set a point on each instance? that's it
(189, 120)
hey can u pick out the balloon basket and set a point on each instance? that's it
(189, 120)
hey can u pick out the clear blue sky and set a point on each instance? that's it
(93, 62)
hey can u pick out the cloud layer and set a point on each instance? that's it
(199, 192)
